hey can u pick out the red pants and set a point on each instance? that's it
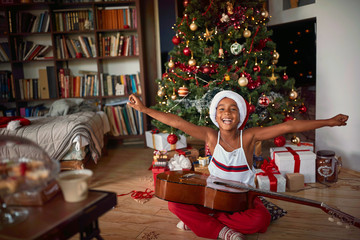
(204, 225)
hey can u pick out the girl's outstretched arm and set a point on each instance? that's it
(264, 133)
(170, 119)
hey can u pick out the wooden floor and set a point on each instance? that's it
(125, 168)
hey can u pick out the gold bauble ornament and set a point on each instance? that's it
(275, 55)
(173, 97)
(193, 26)
(274, 61)
(192, 61)
(264, 13)
(293, 94)
(243, 81)
(227, 77)
(247, 33)
(171, 64)
(295, 140)
(161, 92)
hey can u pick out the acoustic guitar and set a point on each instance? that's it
(215, 193)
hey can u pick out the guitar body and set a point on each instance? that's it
(195, 188)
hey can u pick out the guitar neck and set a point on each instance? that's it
(288, 198)
(275, 195)
(344, 217)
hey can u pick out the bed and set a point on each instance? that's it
(71, 139)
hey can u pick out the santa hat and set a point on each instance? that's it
(240, 101)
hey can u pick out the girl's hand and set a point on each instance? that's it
(135, 103)
(339, 120)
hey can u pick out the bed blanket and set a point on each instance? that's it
(56, 134)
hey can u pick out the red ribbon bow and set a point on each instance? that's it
(269, 169)
(155, 131)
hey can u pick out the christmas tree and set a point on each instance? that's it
(225, 45)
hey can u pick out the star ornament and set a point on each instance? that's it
(208, 35)
(273, 77)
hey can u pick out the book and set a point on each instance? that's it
(63, 43)
(109, 85)
(116, 120)
(43, 84)
(126, 120)
(42, 54)
(72, 52)
(3, 54)
(42, 15)
(35, 88)
(50, 70)
(122, 120)
(6, 48)
(138, 83)
(110, 116)
(133, 83)
(84, 47)
(45, 22)
(131, 117)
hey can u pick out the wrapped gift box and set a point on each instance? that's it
(295, 161)
(192, 153)
(301, 146)
(294, 181)
(202, 169)
(156, 171)
(159, 141)
(265, 182)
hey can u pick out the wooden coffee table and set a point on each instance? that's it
(58, 219)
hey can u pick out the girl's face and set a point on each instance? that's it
(227, 114)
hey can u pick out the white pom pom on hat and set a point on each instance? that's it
(240, 101)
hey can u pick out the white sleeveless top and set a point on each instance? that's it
(231, 165)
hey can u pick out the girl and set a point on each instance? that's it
(232, 152)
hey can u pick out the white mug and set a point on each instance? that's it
(74, 184)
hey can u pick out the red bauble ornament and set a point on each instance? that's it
(288, 118)
(172, 138)
(176, 40)
(251, 108)
(165, 75)
(251, 86)
(302, 109)
(256, 68)
(285, 77)
(186, 2)
(187, 51)
(279, 141)
(264, 101)
(206, 69)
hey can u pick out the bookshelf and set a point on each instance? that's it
(73, 49)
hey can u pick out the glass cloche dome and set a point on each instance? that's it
(24, 166)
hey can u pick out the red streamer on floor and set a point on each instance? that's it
(139, 195)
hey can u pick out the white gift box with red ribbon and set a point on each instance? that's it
(302, 161)
(266, 182)
(158, 141)
(300, 146)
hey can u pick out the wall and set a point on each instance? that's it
(338, 83)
